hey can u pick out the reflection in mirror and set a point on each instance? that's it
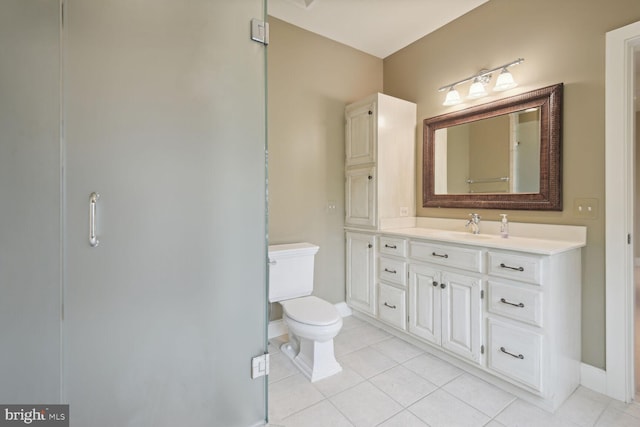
(494, 155)
(501, 155)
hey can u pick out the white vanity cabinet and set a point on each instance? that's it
(506, 310)
(360, 270)
(445, 306)
(379, 161)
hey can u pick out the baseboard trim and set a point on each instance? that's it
(278, 327)
(593, 378)
(343, 309)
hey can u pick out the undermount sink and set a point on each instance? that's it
(463, 235)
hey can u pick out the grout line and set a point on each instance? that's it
(339, 411)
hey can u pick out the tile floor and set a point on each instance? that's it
(390, 383)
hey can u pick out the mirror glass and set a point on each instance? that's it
(494, 155)
(500, 155)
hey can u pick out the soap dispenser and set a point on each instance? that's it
(504, 226)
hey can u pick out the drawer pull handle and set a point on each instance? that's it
(435, 283)
(390, 271)
(503, 265)
(439, 255)
(390, 246)
(504, 301)
(390, 306)
(517, 356)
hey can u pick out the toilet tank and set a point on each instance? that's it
(291, 270)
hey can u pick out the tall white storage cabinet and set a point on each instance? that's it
(379, 192)
(380, 161)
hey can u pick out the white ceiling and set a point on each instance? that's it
(377, 27)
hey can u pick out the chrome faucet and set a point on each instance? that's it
(474, 222)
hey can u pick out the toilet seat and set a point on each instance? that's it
(311, 310)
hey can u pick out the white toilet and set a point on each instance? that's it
(312, 322)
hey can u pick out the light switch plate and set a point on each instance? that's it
(586, 208)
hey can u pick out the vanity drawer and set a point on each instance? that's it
(519, 267)
(515, 353)
(392, 246)
(392, 306)
(516, 302)
(452, 256)
(392, 270)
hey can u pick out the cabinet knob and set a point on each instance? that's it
(370, 177)
(435, 283)
(369, 245)
(442, 285)
(370, 112)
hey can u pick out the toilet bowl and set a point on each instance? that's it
(311, 321)
(312, 324)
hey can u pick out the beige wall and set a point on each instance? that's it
(561, 41)
(310, 80)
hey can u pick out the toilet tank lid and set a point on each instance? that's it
(292, 249)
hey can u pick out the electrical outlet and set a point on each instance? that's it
(585, 208)
(331, 207)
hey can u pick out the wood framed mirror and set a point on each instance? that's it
(505, 154)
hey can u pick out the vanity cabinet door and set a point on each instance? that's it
(361, 251)
(424, 302)
(461, 315)
(360, 134)
(360, 192)
(445, 309)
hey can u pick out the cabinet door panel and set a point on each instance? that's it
(360, 135)
(360, 272)
(424, 303)
(360, 197)
(461, 315)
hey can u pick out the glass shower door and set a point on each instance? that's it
(165, 121)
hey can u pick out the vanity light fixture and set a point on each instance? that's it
(477, 89)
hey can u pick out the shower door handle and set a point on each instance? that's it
(93, 238)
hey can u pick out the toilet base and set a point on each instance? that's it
(314, 359)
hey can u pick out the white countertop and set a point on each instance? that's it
(543, 239)
(512, 243)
